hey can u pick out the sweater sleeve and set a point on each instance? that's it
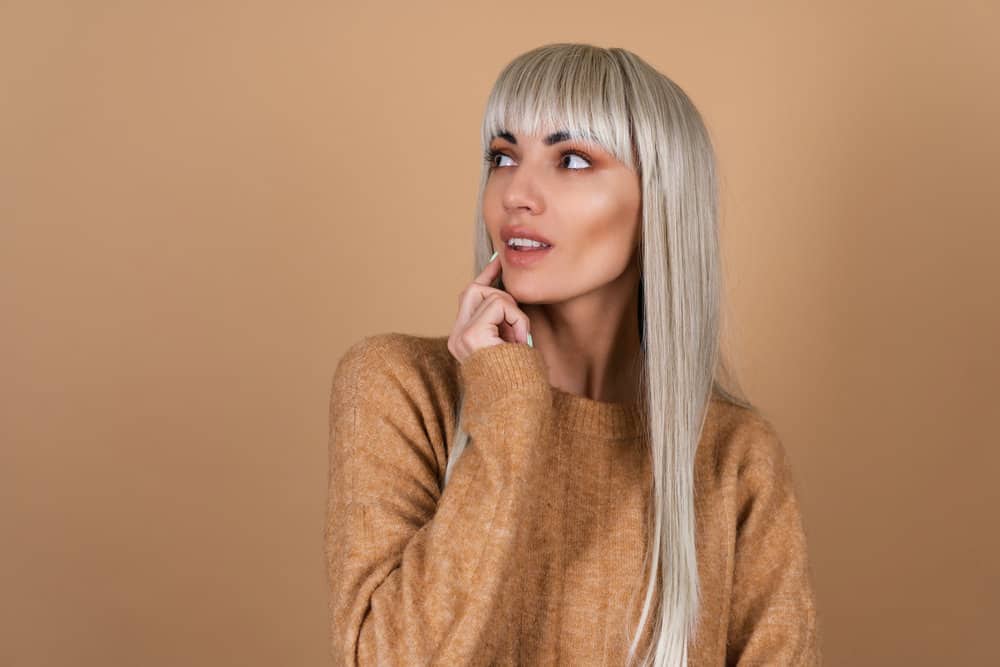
(773, 611)
(418, 576)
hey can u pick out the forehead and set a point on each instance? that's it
(550, 124)
(553, 138)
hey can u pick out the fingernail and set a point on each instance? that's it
(493, 256)
(529, 341)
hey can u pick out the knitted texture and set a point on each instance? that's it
(530, 554)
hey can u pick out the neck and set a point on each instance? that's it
(591, 343)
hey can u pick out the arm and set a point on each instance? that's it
(773, 614)
(417, 576)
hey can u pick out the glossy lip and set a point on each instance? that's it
(516, 231)
(524, 257)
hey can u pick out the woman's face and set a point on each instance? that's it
(577, 197)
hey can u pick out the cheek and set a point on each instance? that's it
(607, 224)
(607, 228)
(492, 212)
(606, 256)
(491, 196)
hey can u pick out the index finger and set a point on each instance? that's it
(490, 272)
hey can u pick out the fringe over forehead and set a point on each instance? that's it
(576, 88)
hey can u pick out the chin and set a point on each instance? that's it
(522, 294)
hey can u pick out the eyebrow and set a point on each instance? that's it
(553, 138)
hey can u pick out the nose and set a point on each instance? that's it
(522, 191)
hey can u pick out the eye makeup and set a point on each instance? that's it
(491, 155)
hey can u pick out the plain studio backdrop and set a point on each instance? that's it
(202, 204)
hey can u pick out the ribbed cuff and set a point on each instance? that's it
(493, 372)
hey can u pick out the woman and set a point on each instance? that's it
(564, 479)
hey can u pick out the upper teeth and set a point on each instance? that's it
(527, 242)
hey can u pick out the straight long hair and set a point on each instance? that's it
(647, 122)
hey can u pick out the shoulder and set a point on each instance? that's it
(396, 353)
(400, 372)
(745, 465)
(368, 350)
(391, 397)
(737, 438)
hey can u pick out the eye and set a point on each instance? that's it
(491, 155)
(491, 158)
(572, 154)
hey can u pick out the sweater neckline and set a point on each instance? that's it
(602, 419)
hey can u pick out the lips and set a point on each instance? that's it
(524, 258)
(508, 233)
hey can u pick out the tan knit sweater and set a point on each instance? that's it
(529, 554)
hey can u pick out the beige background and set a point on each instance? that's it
(204, 203)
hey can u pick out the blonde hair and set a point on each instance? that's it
(647, 122)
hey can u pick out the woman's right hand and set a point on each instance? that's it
(486, 316)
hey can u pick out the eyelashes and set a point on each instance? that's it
(491, 155)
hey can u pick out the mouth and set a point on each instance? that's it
(525, 256)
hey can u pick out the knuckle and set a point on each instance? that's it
(505, 296)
